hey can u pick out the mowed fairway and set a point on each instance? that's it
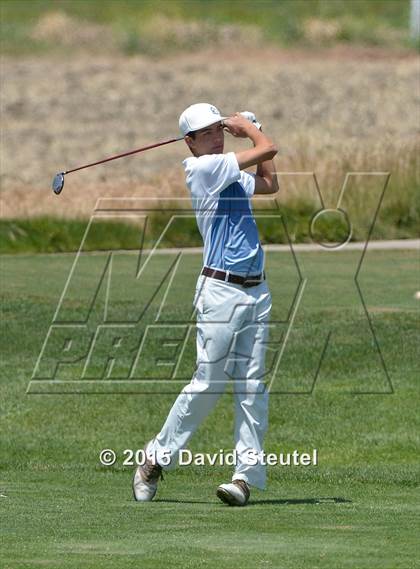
(357, 509)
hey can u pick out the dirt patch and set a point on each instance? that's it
(328, 111)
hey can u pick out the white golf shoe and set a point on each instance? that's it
(145, 481)
(235, 494)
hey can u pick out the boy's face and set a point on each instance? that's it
(208, 140)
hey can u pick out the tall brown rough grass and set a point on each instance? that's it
(329, 114)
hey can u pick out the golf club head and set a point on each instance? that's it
(58, 183)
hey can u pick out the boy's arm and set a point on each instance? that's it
(261, 155)
(266, 178)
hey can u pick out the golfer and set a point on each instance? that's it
(232, 301)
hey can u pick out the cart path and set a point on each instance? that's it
(404, 244)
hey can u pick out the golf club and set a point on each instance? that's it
(58, 181)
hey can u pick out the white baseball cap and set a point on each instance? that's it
(198, 116)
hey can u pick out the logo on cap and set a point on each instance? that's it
(214, 110)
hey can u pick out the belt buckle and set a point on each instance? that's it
(250, 282)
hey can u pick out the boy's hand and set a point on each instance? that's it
(239, 126)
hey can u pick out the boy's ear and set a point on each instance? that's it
(189, 141)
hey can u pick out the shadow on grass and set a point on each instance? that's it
(283, 501)
(287, 501)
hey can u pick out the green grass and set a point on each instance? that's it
(357, 509)
(133, 23)
(48, 235)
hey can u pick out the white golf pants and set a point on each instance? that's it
(232, 331)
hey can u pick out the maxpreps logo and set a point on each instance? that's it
(125, 322)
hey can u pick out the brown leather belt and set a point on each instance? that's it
(252, 280)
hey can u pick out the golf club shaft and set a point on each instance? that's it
(124, 154)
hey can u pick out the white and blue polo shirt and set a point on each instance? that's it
(220, 194)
